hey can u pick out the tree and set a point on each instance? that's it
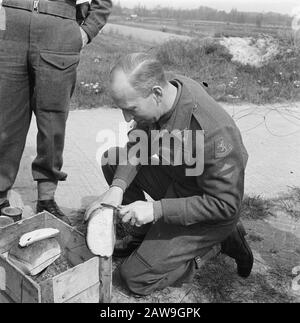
(259, 20)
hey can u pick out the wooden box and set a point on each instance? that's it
(80, 284)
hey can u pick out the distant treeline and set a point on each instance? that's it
(206, 13)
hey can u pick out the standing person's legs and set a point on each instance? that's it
(54, 55)
(15, 113)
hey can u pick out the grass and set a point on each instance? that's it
(201, 59)
(97, 59)
(271, 278)
(277, 81)
(289, 203)
(259, 208)
(255, 208)
(218, 283)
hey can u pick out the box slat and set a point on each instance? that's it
(4, 299)
(18, 286)
(30, 292)
(91, 295)
(75, 280)
(47, 291)
(105, 274)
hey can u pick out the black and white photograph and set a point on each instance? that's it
(149, 154)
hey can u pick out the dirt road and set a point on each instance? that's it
(271, 135)
(147, 35)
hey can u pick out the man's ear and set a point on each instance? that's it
(158, 93)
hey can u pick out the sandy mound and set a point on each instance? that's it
(255, 52)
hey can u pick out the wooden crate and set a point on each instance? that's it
(89, 281)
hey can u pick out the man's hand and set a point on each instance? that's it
(84, 36)
(114, 196)
(137, 213)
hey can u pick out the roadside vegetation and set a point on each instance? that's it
(208, 61)
(259, 208)
(97, 59)
(205, 60)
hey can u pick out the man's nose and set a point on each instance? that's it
(128, 116)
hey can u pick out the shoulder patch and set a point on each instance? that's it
(222, 148)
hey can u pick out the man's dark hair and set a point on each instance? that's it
(143, 71)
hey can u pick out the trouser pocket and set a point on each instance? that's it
(55, 81)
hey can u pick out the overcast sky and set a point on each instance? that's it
(282, 6)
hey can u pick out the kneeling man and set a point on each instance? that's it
(196, 180)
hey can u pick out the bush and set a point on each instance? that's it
(208, 61)
(204, 60)
(193, 53)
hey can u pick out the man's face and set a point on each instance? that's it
(133, 105)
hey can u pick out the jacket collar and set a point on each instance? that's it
(181, 113)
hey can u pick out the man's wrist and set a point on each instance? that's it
(116, 188)
(157, 211)
(119, 183)
(85, 38)
(82, 1)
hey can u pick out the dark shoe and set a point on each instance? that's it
(125, 247)
(51, 207)
(236, 247)
(3, 205)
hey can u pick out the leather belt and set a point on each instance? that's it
(63, 9)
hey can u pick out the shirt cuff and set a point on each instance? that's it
(119, 183)
(157, 211)
(91, 32)
(82, 1)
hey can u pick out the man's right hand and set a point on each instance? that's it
(85, 38)
(114, 196)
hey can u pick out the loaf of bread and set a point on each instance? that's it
(100, 232)
(36, 257)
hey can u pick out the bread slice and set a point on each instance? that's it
(101, 232)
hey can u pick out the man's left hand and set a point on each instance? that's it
(138, 213)
(84, 36)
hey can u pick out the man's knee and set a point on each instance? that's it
(138, 277)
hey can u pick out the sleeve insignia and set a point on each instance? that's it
(222, 148)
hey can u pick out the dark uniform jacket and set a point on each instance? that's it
(215, 196)
(92, 17)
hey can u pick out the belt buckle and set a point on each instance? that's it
(36, 6)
